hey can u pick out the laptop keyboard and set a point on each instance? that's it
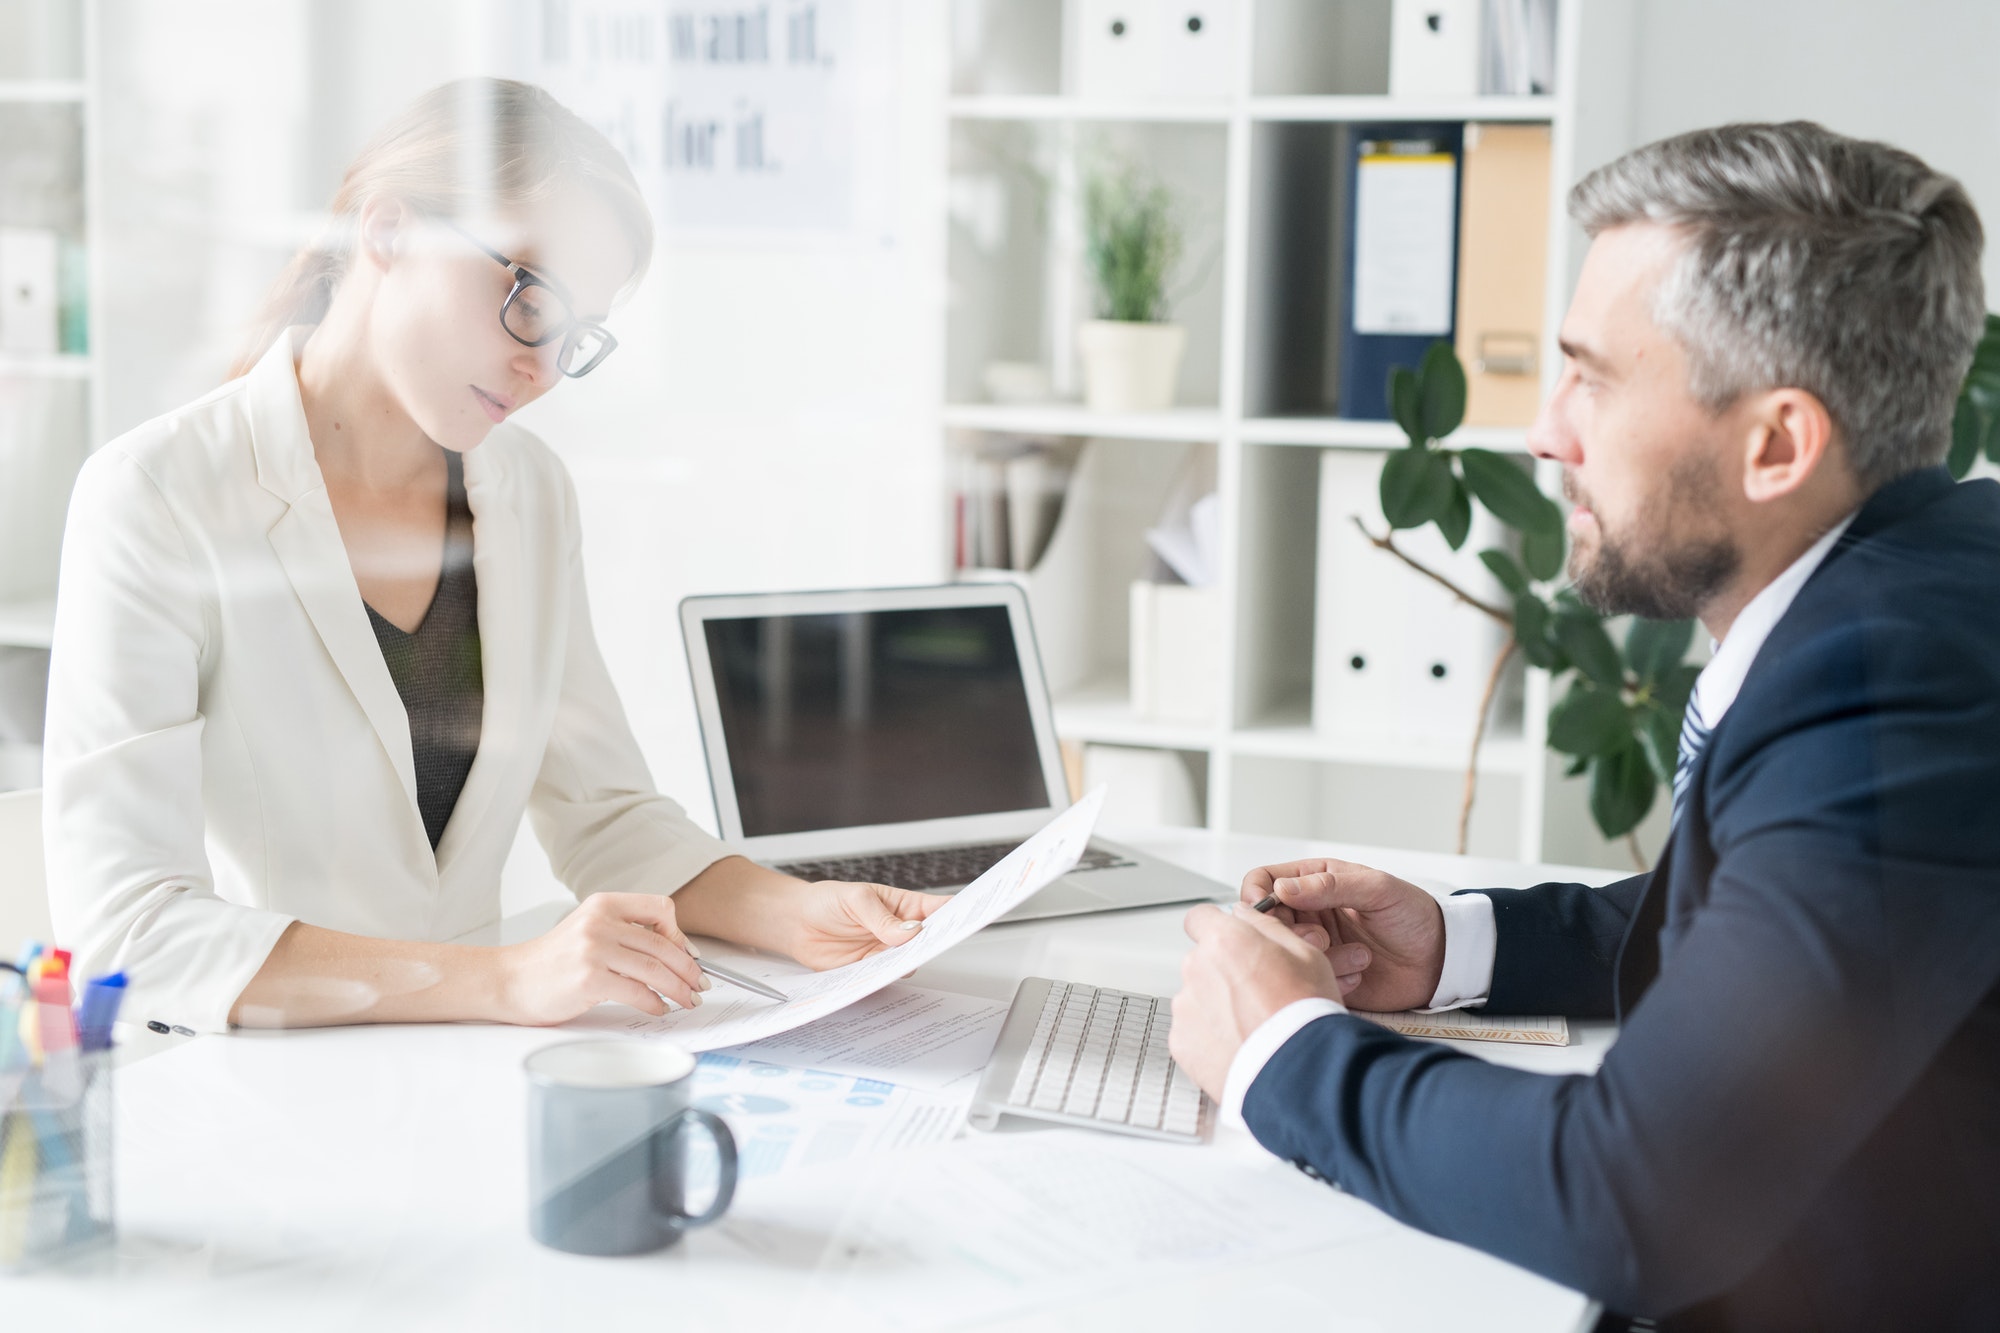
(932, 867)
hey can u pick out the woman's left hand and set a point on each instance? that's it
(841, 923)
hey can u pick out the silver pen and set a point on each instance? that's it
(751, 984)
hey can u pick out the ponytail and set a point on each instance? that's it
(302, 294)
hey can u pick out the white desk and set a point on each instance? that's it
(375, 1178)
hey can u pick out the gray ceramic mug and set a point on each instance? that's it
(608, 1146)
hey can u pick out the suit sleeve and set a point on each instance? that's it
(1558, 947)
(130, 887)
(594, 807)
(1851, 928)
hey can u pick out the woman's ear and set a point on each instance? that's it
(380, 230)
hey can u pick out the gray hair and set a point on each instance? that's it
(1842, 267)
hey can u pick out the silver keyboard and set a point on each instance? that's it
(1085, 1055)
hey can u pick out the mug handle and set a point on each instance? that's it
(665, 1169)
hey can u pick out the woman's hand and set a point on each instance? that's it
(840, 923)
(615, 946)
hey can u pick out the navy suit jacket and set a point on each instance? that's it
(1799, 1126)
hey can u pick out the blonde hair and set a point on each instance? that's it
(462, 149)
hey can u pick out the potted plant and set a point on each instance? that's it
(1132, 242)
(1619, 718)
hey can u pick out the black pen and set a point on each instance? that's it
(1265, 904)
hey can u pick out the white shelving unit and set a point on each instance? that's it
(51, 110)
(1017, 291)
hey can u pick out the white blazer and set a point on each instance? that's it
(226, 752)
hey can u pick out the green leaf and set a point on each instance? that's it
(1661, 733)
(1982, 379)
(1543, 554)
(1456, 520)
(1589, 721)
(1654, 647)
(1531, 631)
(1992, 445)
(1509, 492)
(1583, 638)
(1968, 432)
(1406, 404)
(1416, 487)
(1443, 382)
(1621, 790)
(1577, 766)
(1672, 689)
(1502, 567)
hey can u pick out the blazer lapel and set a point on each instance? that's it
(308, 546)
(503, 649)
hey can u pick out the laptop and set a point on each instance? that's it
(897, 736)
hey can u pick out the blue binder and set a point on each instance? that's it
(1367, 357)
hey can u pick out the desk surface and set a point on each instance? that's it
(375, 1177)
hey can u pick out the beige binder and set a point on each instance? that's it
(1503, 237)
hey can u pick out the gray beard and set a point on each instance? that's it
(1670, 582)
(1670, 585)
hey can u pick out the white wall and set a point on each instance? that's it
(1918, 74)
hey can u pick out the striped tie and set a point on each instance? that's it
(1693, 737)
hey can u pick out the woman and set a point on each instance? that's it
(321, 636)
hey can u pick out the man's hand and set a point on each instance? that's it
(1336, 905)
(1244, 968)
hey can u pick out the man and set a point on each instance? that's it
(1799, 1126)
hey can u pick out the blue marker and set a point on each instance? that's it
(99, 1010)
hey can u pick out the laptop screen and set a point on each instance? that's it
(874, 717)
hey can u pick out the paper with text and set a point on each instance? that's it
(1459, 1025)
(1002, 1223)
(902, 1034)
(742, 1017)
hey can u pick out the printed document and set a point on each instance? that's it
(784, 1118)
(930, 1039)
(999, 1223)
(730, 1017)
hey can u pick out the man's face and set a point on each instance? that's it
(1647, 466)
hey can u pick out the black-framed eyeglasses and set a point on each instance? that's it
(537, 313)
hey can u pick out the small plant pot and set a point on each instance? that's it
(1130, 367)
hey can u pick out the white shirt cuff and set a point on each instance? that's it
(1470, 942)
(1258, 1048)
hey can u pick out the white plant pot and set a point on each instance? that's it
(1130, 367)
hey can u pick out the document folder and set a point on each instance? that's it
(1503, 238)
(1400, 250)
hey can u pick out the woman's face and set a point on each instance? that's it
(435, 320)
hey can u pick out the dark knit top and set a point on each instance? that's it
(437, 669)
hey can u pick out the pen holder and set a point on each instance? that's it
(55, 1158)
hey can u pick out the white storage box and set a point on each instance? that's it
(1176, 653)
(1396, 658)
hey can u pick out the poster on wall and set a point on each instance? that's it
(771, 119)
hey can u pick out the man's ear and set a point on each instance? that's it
(1789, 437)
(379, 232)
